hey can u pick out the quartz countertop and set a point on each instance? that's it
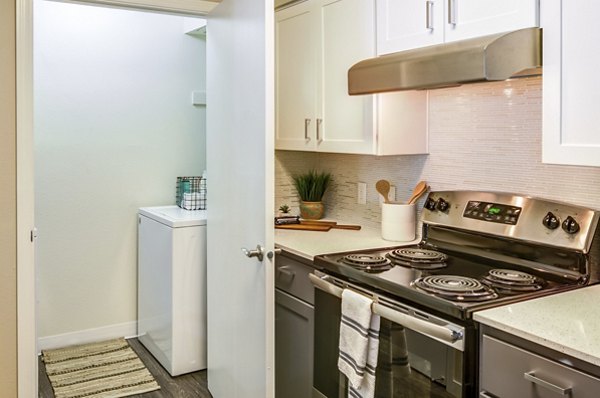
(308, 244)
(566, 322)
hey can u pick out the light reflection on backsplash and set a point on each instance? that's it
(482, 137)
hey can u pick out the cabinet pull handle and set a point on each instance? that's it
(546, 384)
(484, 394)
(319, 138)
(306, 123)
(283, 272)
(429, 14)
(452, 12)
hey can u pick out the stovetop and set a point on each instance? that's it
(401, 281)
(539, 246)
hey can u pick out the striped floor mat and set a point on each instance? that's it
(98, 370)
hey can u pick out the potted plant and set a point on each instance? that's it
(284, 209)
(311, 187)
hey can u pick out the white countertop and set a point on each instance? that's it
(308, 244)
(567, 322)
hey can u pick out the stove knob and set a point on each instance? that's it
(551, 221)
(442, 205)
(430, 204)
(570, 225)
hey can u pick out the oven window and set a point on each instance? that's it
(409, 365)
(412, 365)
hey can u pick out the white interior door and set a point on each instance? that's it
(240, 136)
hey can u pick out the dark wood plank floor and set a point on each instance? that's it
(191, 385)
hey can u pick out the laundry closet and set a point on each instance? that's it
(119, 115)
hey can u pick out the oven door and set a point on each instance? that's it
(420, 355)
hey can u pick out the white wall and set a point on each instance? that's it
(114, 127)
(483, 136)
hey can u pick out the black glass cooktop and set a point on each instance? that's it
(404, 282)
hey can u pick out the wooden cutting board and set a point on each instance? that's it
(333, 224)
(324, 226)
(305, 227)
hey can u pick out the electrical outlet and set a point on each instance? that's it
(361, 189)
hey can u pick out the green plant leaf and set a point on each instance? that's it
(312, 185)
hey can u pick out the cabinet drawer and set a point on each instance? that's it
(508, 371)
(291, 276)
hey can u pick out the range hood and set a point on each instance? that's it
(489, 58)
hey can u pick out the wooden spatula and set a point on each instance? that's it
(383, 187)
(419, 190)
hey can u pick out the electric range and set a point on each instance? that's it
(478, 250)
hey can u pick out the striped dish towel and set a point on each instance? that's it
(359, 344)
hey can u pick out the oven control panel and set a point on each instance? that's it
(492, 212)
(514, 216)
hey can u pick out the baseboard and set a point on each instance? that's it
(127, 329)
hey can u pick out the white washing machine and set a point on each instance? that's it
(172, 286)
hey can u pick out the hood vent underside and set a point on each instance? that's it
(489, 58)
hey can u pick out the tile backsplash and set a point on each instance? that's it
(483, 136)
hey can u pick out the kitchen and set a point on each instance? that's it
(467, 132)
(495, 136)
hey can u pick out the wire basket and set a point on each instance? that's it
(191, 193)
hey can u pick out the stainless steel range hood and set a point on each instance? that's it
(488, 58)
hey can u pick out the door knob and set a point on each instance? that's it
(258, 252)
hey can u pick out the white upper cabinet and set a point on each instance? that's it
(317, 41)
(403, 25)
(296, 74)
(472, 18)
(409, 24)
(571, 84)
(344, 122)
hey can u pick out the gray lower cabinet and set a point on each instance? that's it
(294, 328)
(508, 371)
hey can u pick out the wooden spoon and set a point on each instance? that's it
(383, 187)
(419, 190)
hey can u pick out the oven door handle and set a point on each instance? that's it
(325, 286)
(408, 321)
(416, 324)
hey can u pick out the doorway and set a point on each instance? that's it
(244, 115)
(90, 133)
(114, 126)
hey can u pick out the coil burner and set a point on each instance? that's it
(418, 258)
(509, 281)
(455, 288)
(367, 262)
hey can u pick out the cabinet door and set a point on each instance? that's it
(471, 18)
(347, 36)
(571, 85)
(294, 330)
(402, 25)
(296, 87)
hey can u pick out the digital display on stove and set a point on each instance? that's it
(492, 212)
